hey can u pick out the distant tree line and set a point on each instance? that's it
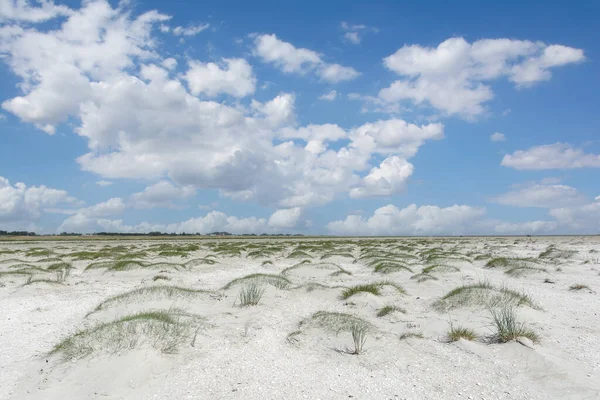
(156, 233)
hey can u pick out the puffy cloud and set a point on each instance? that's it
(411, 220)
(104, 183)
(234, 78)
(23, 204)
(451, 77)
(541, 195)
(100, 69)
(285, 218)
(389, 178)
(161, 194)
(497, 137)
(551, 156)
(291, 59)
(85, 220)
(329, 96)
(582, 219)
(21, 10)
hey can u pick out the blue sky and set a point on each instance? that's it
(369, 118)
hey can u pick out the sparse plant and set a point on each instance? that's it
(458, 332)
(578, 286)
(508, 327)
(251, 293)
(161, 277)
(411, 334)
(388, 309)
(359, 336)
(373, 288)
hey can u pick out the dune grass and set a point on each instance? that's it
(149, 293)
(578, 286)
(456, 333)
(278, 281)
(388, 309)
(482, 294)
(337, 270)
(523, 270)
(373, 288)
(411, 335)
(164, 331)
(334, 321)
(508, 327)
(251, 293)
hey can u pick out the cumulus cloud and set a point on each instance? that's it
(161, 194)
(542, 195)
(291, 59)
(329, 96)
(453, 76)
(411, 220)
(22, 10)
(389, 178)
(529, 227)
(85, 219)
(24, 204)
(551, 156)
(497, 137)
(190, 30)
(581, 219)
(104, 183)
(234, 77)
(285, 218)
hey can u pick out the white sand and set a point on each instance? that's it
(243, 352)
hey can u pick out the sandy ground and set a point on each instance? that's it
(261, 352)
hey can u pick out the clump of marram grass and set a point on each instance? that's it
(506, 262)
(278, 281)
(337, 270)
(164, 331)
(482, 294)
(388, 309)
(334, 321)
(423, 277)
(578, 286)
(359, 332)
(60, 277)
(508, 327)
(373, 288)
(161, 277)
(523, 270)
(458, 332)
(150, 293)
(251, 293)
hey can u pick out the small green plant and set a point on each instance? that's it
(458, 332)
(373, 288)
(508, 327)
(411, 334)
(161, 277)
(388, 309)
(359, 336)
(251, 293)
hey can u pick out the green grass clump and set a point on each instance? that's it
(334, 321)
(388, 309)
(523, 270)
(482, 294)
(151, 293)
(411, 335)
(388, 267)
(373, 288)
(457, 332)
(164, 331)
(251, 293)
(161, 277)
(278, 281)
(508, 327)
(423, 277)
(299, 254)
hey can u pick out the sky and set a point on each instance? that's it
(335, 118)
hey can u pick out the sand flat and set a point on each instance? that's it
(190, 338)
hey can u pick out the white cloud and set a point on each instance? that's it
(21, 10)
(234, 77)
(190, 30)
(101, 69)
(452, 76)
(161, 194)
(387, 179)
(285, 218)
(411, 220)
(329, 96)
(497, 137)
(23, 204)
(85, 220)
(551, 156)
(291, 59)
(541, 195)
(581, 219)
(104, 183)
(354, 33)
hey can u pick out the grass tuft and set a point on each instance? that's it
(508, 327)
(251, 293)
